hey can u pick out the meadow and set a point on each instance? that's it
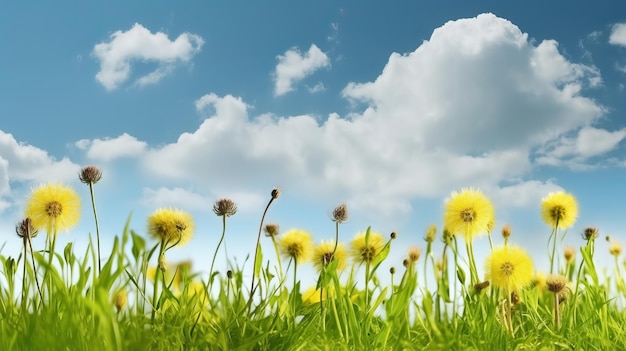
(132, 298)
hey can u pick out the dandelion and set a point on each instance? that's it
(340, 213)
(296, 244)
(327, 252)
(414, 254)
(615, 249)
(26, 231)
(511, 269)
(275, 194)
(271, 229)
(224, 208)
(569, 253)
(469, 213)
(557, 284)
(559, 209)
(431, 233)
(590, 233)
(90, 175)
(506, 232)
(171, 226)
(53, 207)
(120, 300)
(364, 251)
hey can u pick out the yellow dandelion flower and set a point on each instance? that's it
(53, 207)
(509, 268)
(365, 252)
(615, 249)
(296, 244)
(171, 226)
(559, 209)
(469, 213)
(120, 300)
(323, 255)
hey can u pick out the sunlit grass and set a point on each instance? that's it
(132, 298)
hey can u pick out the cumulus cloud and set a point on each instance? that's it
(112, 148)
(293, 67)
(468, 107)
(138, 44)
(575, 151)
(618, 35)
(23, 163)
(247, 202)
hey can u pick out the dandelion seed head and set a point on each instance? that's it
(90, 175)
(224, 208)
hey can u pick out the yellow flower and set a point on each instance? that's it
(296, 244)
(615, 249)
(363, 252)
(469, 213)
(323, 255)
(54, 207)
(120, 300)
(171, 226)
(312, 295)
(509, 268)
(559, 209)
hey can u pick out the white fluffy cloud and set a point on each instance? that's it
(112, 148)
(293, 67)
(178, 197)
(26, 163)
(574, 151)
(138, 44)
(467, 108)
(618, 34)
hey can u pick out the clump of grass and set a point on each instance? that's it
(133, 299)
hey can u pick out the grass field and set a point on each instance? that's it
(131, 298)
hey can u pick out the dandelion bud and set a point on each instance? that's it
(506, 231)
(90, 175)
(615, 249)
(515, 298)
(224, 208)
(392, 270)
(590, 233)
(394, 235)
(446, 236)
(440, 265)
(271, 229)
(120, 300)
(405, 262)
(431, 233)
(25, 229)
(481, 286)
(569, 254)
(340, 214)
(276, 193)
(229, 274)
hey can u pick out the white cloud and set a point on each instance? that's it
(293, 67)
(574, 152)
(25, 163)
(247, 202)
(112, 148)
(319, 87)
(618, 35)
(522, 194)
(139, 44)
(466, 108)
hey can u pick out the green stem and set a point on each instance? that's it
(95, 216)
(280, 266)
(210, 284)
(554, 236)
(258, 243)
(32, 255)
(155, 289)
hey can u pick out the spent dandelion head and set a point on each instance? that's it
(468, 213)
(325, 253)
(414, 253)
(224, 208)
(90, 175)
(271, 230)
(559, 209)
(364, 251)
(296, 244)
(53, 207)
(556, 283)
(509, 268)
(340, 213)
(569, 253)
(24, 229)
(590, 233)
(431, 233)
(171, 226)
(275, 193)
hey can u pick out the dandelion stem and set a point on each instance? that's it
(210, 284)
(258, 243)
(557, 315)
(32, 255)
(95, 216)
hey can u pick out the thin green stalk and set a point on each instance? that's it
(95, 216)
(156, 281)
(280, 266)
(554, 236)
(32, 255)
(258, 244)
(210, 282)
(557, 314)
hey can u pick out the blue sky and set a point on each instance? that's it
(386, 108)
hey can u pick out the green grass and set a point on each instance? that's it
(75, 306)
